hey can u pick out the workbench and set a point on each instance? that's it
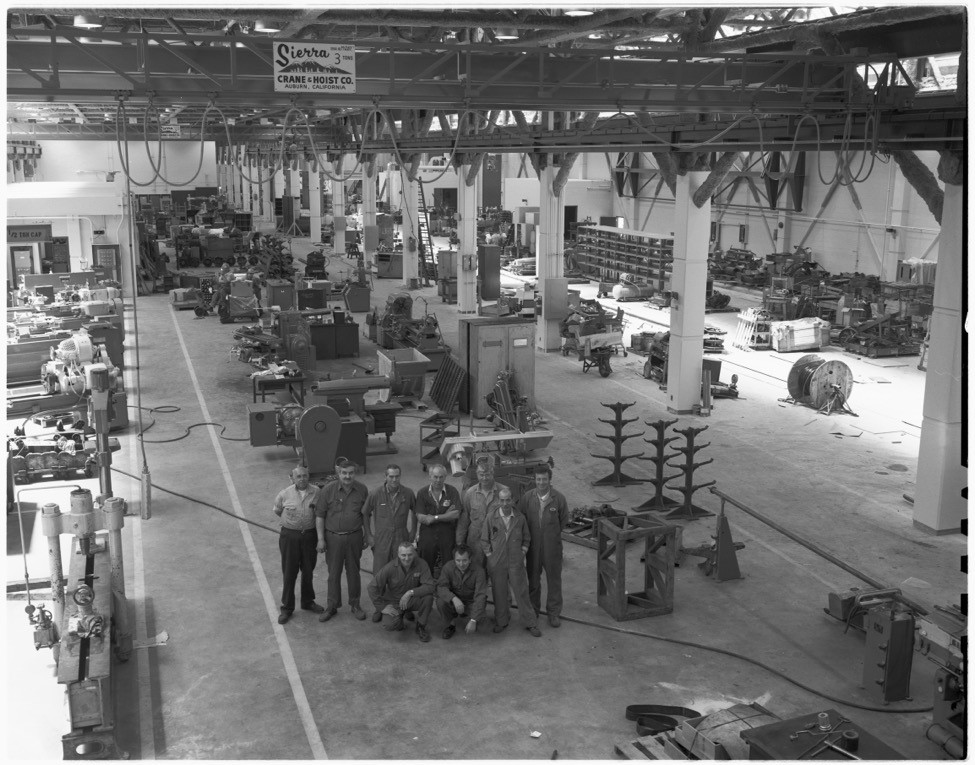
(264, 384)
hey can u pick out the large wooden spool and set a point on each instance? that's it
(812, 377)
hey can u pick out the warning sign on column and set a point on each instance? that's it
(312, 68)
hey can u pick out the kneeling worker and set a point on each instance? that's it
(461, 591)
(403, 585)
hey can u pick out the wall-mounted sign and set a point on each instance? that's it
(170, 131)
(36, 232)
(311, 68)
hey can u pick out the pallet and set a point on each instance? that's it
(880, 351)
(662, 746)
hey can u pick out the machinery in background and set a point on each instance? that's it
(593, 334)
(72, 364)
(942, 638)
(895, 630)
(512, 459)
(630, 287)
(335, 422)
(396, 328)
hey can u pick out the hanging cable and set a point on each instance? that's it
(159, 148)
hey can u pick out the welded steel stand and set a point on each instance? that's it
(659, 458)
(687, 509)
(617, 477)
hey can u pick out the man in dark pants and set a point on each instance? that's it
(338, 518)
(404, 586)
(437, 510)
(461, 591)
(547, 514)
(295, 506)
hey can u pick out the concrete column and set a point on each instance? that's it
(338, 211)
(467, 233)
(368, 208)
(231, 193)
(692, 225)
(411, 228)
(315, 201)
(938, 504)
(249, 184)
(548, 258)
(294, 191)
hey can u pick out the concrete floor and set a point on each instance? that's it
(231, 683)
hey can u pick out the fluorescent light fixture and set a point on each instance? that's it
(505, 33)
(269, 27)
(577, 12)
(86, 22)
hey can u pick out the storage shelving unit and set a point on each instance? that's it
(605, 252)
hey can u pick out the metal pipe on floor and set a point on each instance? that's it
(816, 549)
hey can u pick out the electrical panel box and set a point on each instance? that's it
(263, 424)
(489, 345)
(281, 293)
(888, 654)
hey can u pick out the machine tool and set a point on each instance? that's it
(942, 638)
(507, 454)
(72, 364)
(336, 422)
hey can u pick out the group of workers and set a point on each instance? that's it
(467, 538)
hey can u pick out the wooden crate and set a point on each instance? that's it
(659, 550)
(717, 736)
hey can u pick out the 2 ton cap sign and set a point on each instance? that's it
(311, 68)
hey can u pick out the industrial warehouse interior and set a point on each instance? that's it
(656, 311)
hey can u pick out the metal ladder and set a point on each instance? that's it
(428, 270)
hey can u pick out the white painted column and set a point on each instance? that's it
(293, 190)
(267, 198)
(315, 201)
(410, 196)
(938, 504)
(338, 211)
(548, 258)
(467, 249)
(234, 197)
(250, 204)
(692, 225)
(368, 209)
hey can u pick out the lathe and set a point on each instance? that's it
(66, 381)
(336, 422)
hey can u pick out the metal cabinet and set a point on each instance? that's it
(489, 345)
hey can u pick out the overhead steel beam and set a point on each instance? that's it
(576, 79)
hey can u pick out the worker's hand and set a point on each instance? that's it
(367, 542)
(458, 605)
(321, 546)
(404, 602)
(425, 519)
(278, 511)
(471, 627)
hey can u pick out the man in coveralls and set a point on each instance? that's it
(403, 586)
(386, 519)
(547, 514)
(505, 539)
(477, 502)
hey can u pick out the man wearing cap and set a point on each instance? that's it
(479, 500)
(437, 510)
(505, 539)
(295, 506)
(404, 586)
(547, 514)
(338, 518)
(461, 592)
